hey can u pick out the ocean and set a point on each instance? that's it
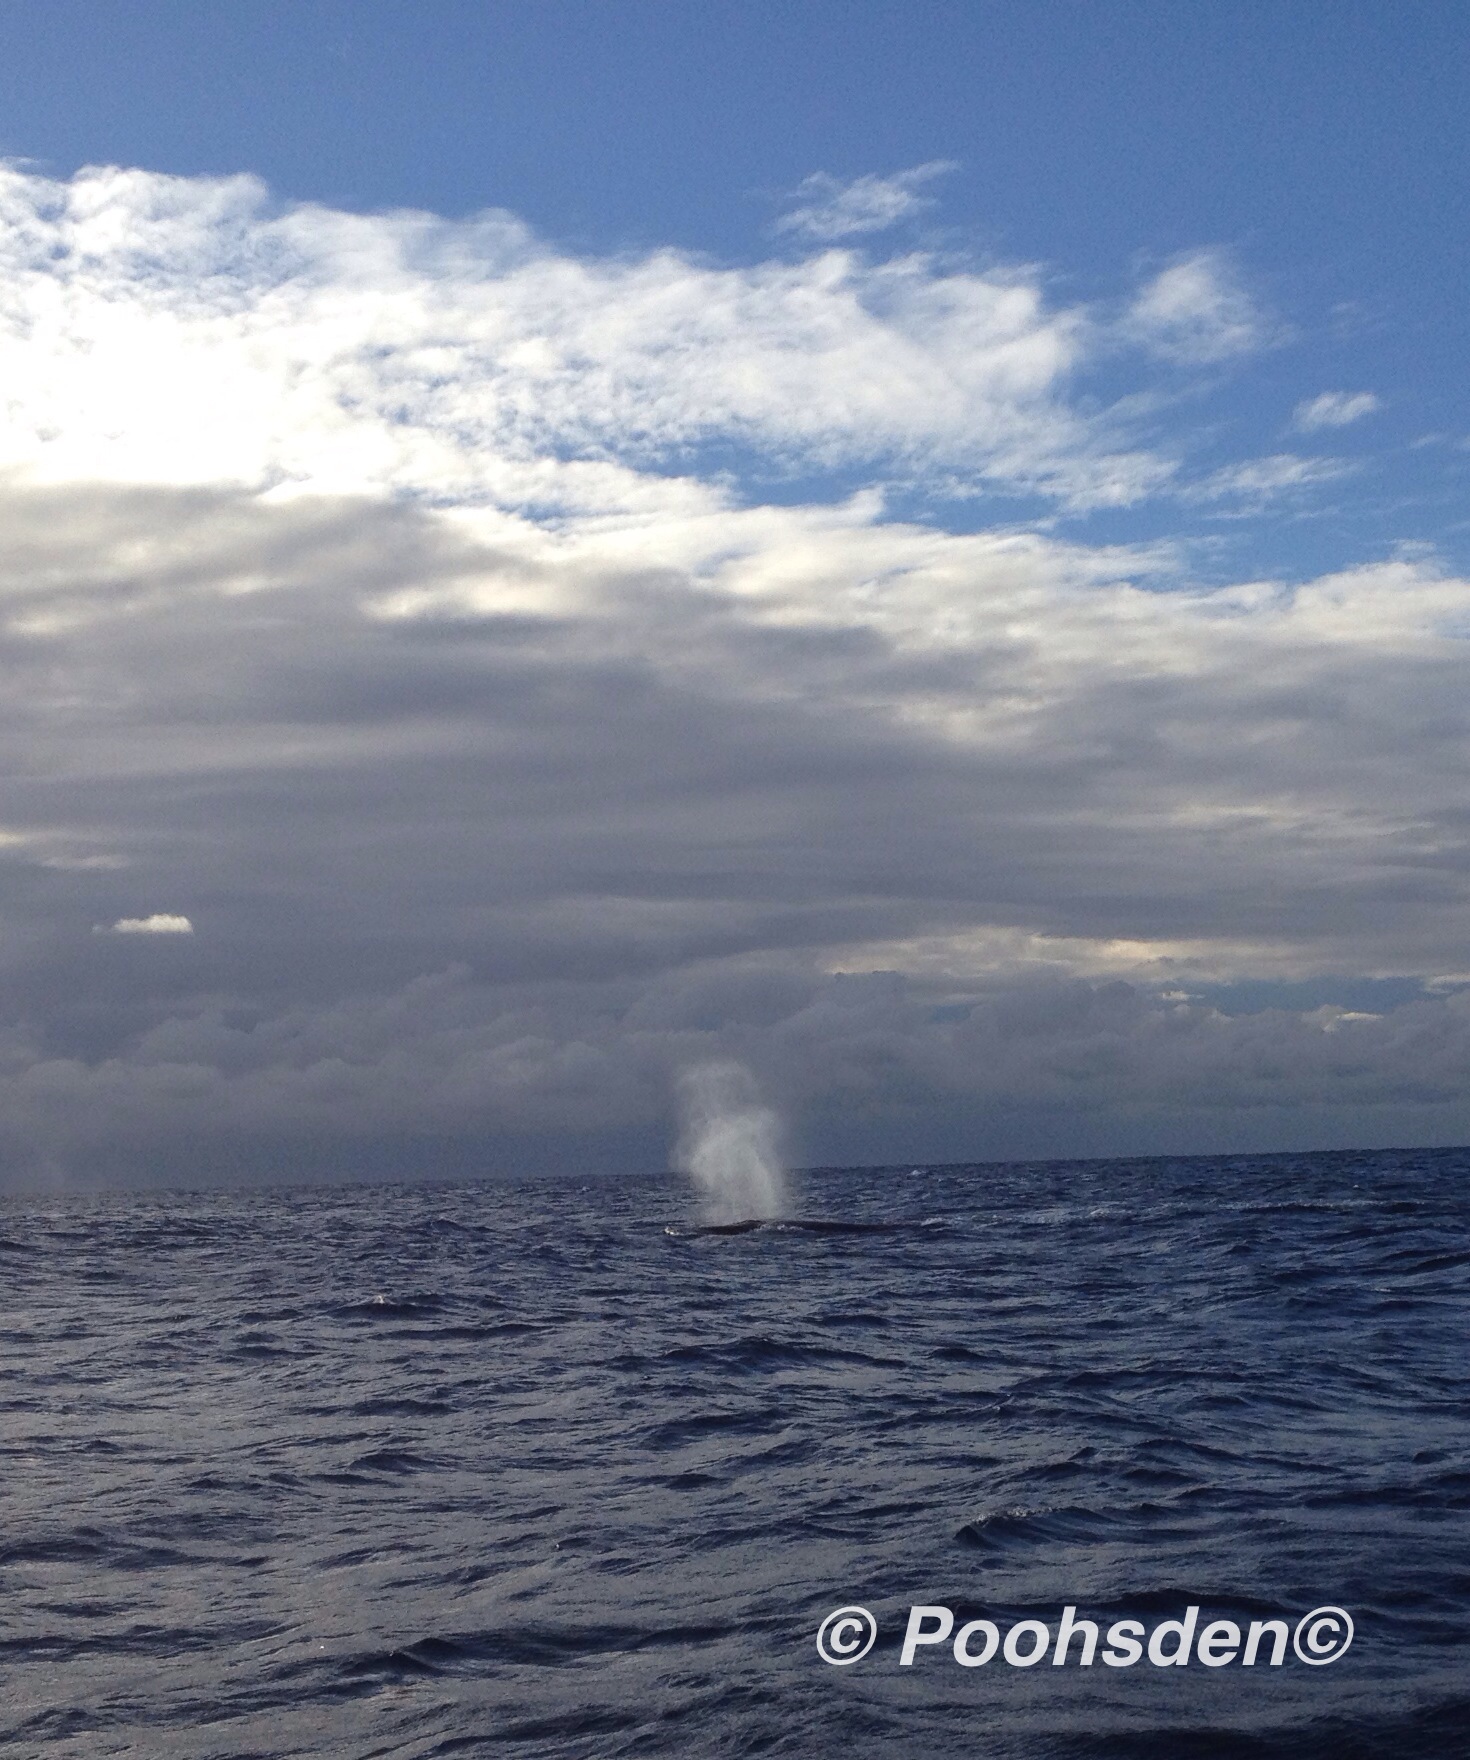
(544, 1469)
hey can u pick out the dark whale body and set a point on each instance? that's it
(783, 1224)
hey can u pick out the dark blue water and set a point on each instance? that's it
(514, 1470)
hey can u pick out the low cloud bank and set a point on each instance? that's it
(493, 1079)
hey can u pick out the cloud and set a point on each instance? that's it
(160, 923)
(469, 362)
(1196, 313)
(364, 584)
(1255, 483)
(832, 210)
(1333, 409)
(792, 785)
(862, 1063)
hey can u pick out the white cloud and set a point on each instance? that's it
(1196, 312)
(1255, 483)
(832, 210)
(160, 923)
(1333, 409)
(346, 580)
(171, 331)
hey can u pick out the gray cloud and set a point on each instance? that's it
(471, 874)
(501, 774)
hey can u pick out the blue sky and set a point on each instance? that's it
(1322, 148)
(921, 549)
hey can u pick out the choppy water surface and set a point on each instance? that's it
(538, 1470)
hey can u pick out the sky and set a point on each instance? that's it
(921, 549)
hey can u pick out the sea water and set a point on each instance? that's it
(540, 1469)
